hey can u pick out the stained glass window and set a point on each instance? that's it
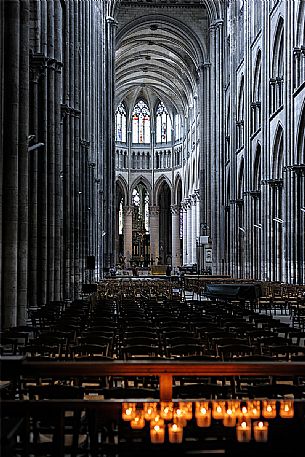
(163, 125)
(120, 123)
(141, 123)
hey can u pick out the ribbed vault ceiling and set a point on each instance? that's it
(159, 55)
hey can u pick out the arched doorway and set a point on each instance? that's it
(165, 224)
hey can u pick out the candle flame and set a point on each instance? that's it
(203, 411)
(261, 424)
(243, 424)
(156, 428)
(174, 427)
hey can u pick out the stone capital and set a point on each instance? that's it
(128, 210)
(154, 210)
(175, 209)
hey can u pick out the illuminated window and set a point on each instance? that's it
(141, 123)
(120, 123)
(163, 125)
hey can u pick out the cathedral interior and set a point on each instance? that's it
(152, 193)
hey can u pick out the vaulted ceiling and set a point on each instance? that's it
(159, 49)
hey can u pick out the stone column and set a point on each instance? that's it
(51, 152)
(23, 165)
(175, 210)
(194, 222)
(184, 247)
(154, 232)
(58, 153)
(189, 230)
(128, 211)
(10, 161)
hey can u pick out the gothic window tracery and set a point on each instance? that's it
(141, 123)
(120, 123)
(163, 125)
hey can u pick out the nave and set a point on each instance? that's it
(139, 353)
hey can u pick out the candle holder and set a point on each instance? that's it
(138, 422)
(286, 409)
(243, 431)
(254, 409)
(157, 434)
(187, 408)
(229, 418)
(179, 417)
(157, 420)
(150, 411)
(269, 409)
(260, 431)
(128, 411)
(218, 410)
(166, 410)
(244, 411)
(175, 433)
(203, 414)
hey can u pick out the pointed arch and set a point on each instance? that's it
(278, 50)
(300, 159)
(140, 180)
(240, 115)
(158, 185)
(123, 186)
(177, 193)
(141, 122)
(257, 168)
(278, 153)
(300, 33)
(240, 183)
(256, 97)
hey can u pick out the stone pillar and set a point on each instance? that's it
(23, 165)
(128, 211)
(10, 161)
(175, 210)
(109, 160)
(189, 231)
(184, 247)
(194, 221)
(58, 153)
(154, 232)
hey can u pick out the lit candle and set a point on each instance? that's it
(243, 431)
(138, 422)
(286, 409)
(244, 412)
(260, 431)
(157, 434)
(254, 409)
(128, 411)
(157, 420)
(175, 433)
(187, 408)
(269, 409)
(203, 414)
(218, 409)
(166, 410)
(229, 418)
(150, 411)
(179, 417)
